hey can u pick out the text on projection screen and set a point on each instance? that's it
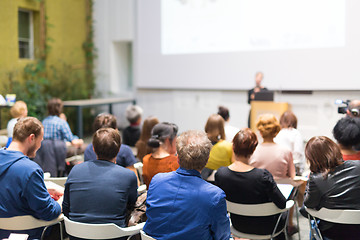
(208, 26)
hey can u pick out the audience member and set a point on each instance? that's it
(23, 191)
(18, 110)
(245, 184)
(98, 191)
(230, 131)
(221, 152)
(163, 159)
(333, 184)
(273, 157)
(56, 128)
(180, 205)
(125, 157)
(347, 134)
(142, 147)
(291, 138)
(131, 134)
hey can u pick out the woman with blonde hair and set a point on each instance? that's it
(278, 160)
(141, 145)
(18, 110)
(221, 152)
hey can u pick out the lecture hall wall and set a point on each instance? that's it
(115, 32)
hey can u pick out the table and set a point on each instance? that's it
(1, 107)
(80, 104)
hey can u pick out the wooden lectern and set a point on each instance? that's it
(262, 107)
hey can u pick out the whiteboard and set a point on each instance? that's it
(221, 44)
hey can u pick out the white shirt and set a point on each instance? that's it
(10, 126)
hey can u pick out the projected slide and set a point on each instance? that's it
(212, 26)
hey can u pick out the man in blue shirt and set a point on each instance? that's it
(180, 204)
(98, 191)
(23, 190)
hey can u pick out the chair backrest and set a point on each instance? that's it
(139, 168)
(144, 236)
(258, 210)
(57, 180)
(99, 231)
(26, 222)
(343, 216)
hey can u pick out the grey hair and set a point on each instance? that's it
(193, 148)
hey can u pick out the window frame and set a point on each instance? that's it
(30, 40)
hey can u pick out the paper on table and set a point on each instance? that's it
(16, 236)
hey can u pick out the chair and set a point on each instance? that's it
(99, 231)
(144, 236)
(28, 222)
(139, 168)
(258, 210)
(341, 216)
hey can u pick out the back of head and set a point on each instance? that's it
(224, 112)
(215, 128)
(25, 127)
(347, 131)
(268, 125)
(354, 108)
(288, 120)
(55, 107)
(133, 113)
(323, 155)
(193, 148)
(161, 132)
(244, 143)
(104, 120)
(106, 143)
(19, 109)
(147, 126)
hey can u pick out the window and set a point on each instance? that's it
(26, 42)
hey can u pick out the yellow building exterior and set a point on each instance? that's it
(60, 24)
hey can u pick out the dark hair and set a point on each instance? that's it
(193, 148)
(55, 107)
(323, 155)
(245, 142)
(161, 132)
(214, 128)
(25, 127)
(288, 120)
(106, 143)
(347, 131)
(224, 112)
(104, 120)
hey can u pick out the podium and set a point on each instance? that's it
(263, 107)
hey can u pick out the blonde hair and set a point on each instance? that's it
(268, 125)
(18, 109)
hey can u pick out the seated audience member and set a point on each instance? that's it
(221, 152)
(131, 134)
(56, 128)
(273, 157)
(125, 157)
(18, 110)
(245, 184)
(333, 184)
(163, 159)
(23, 191)
(98, 191)
(181, 205)
(291, 138)
(142, 147)
(347, 134)
(230, 131)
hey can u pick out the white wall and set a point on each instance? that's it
(114, 33)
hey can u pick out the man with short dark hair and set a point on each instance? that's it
(180, 204)
(23, 191)
(98, 191)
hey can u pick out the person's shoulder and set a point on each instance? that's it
(125, 148)
(222, 171)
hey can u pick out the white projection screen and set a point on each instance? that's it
(221, 44)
